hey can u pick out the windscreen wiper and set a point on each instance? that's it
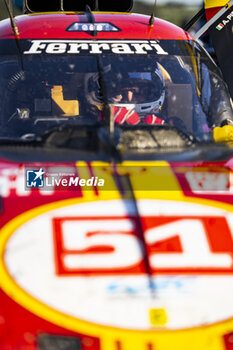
(107, 110)
(126, 190)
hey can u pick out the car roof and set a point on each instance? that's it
(54, 26)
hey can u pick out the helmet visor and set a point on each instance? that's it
(136, 91)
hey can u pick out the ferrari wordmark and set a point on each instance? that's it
(97, 47)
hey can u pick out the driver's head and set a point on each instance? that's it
(143, 91)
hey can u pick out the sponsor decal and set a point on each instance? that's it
(158, 317)
(139, 47)
(221, 35)
(210, 181)
(12, 180)
(161, 284)
(225, 21)
(220, 26)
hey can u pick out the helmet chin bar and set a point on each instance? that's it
(146, 108)
(142, 108)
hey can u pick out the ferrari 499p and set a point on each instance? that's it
(116, 204)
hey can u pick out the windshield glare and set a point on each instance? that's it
(183, 90)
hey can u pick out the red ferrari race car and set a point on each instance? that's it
(116, 205)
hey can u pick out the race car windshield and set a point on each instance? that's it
(175, 85)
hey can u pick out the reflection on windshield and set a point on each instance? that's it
(184, 91)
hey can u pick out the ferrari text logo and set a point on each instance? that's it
(140, 47)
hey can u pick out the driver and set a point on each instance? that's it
(134, 97)
(139, 97)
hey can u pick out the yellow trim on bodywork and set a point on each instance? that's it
(223, 134)
(215, 3)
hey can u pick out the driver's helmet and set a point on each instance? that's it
(142, 91)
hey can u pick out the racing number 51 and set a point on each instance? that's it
(110, 245)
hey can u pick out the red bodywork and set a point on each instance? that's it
(54, 26)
